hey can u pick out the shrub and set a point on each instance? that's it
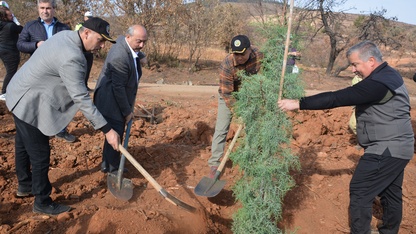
(264, 156)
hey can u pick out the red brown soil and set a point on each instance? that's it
(175, 151)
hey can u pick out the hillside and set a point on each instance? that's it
(175, 151)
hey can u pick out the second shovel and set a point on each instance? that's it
(210, 187)
(120, 187)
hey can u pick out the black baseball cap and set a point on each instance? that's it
(239, 44)
(99, 26)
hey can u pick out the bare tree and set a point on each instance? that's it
(262, 11)
(373, 27)
(72, 12)
(68, 11)
(377, 28)
(333, 27)
(228, 23)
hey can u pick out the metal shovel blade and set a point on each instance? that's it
(209, 187)
(120, 187)
(123, 191)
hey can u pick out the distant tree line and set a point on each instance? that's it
(186, 29)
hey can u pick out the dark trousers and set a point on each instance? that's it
(111, 157)
(90, 59)
(11, 61)
(289, 69)
(377, 175)
(32, 161)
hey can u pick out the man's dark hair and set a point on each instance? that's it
(52, 2)
(3, 13)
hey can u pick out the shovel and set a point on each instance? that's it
(120, 187)
(170, 198)
(210, 187)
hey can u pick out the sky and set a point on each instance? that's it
(404, 10)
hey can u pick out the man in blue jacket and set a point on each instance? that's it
(36, 32)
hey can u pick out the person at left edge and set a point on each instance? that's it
(116, 89)
(44, 96)
(9, 54)
(14, 19)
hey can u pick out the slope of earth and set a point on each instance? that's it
(174, 148)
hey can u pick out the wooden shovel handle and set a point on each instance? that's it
(146, 175)
(230, 148)
(289, 26)
(175, 201)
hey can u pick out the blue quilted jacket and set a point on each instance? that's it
(33, 32)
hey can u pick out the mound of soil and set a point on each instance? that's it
(174, 148)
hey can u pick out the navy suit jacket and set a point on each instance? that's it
(117, 84)
(34, 31)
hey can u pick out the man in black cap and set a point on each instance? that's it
(88, 55)
(245, 57)
(44, 96)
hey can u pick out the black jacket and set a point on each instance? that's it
(33, 32)
(9, 33)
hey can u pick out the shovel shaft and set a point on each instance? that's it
(154, 183)
(140, 168)
(123, 159)
(224, 160)
(210, 187)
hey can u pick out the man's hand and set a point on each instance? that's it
(39, 43)
(129, 117)
(288, 104)
(295, 53)
(113, 139)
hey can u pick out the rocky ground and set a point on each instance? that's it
(173, 148)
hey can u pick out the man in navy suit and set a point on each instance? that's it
(117, 86)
